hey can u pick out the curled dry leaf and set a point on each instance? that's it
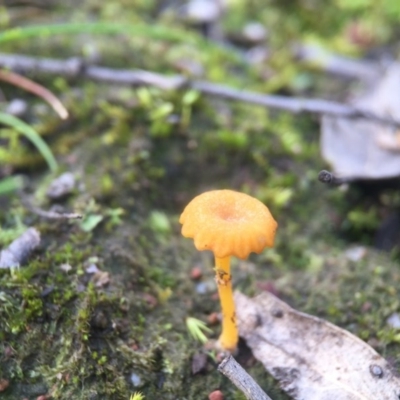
(311, 358)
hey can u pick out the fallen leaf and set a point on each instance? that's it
(364, 149)
(312, 359)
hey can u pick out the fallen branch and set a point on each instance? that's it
(241, 379)
(19, 250)
(75, 67)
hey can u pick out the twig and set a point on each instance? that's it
(46, 214)
(53, 214)
(241, 379)
(19, 250)
(75, 67)
(35, 88)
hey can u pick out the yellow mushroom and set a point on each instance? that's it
(229, 224)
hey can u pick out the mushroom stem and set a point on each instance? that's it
(229, 336)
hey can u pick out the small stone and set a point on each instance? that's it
(136, 380)
(196, 273)
(4, 383)
(201, 288)
(17, 107)
(203, 11)
(394, 321)
(216, 395)
(254, 32)
(65, 267)
(92, 269)
(207, 286)
(62, 186)
(199, 363)
(356, 253)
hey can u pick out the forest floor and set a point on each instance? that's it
(99, 310)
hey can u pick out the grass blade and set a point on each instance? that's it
(157, 32)
(26, 130)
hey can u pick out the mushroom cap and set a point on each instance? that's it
(228, 223)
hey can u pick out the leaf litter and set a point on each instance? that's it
(311, 358)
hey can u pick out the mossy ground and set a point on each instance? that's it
(139, 156)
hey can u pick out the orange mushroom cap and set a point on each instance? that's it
(228, 223)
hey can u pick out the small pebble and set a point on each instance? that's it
(254, 32)
(394, 321)
(201, 288)
(356, 253)
(17, 107)
(203, 11)
(199, 363)
(216, 395)
(61, 186)
(65, 267)
(92, 269)
(136, 380)
(196, 273)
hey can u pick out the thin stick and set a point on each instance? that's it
(241, 379)
(47, 214)
(35, 88)
(75, 67)
(53, 214)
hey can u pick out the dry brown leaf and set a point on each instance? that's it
(311, 358)
(360, 148)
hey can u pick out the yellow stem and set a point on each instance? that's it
(229, 336)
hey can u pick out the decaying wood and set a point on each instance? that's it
(76, 67)
(241, 379)
(311, 358)
(20, 249)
